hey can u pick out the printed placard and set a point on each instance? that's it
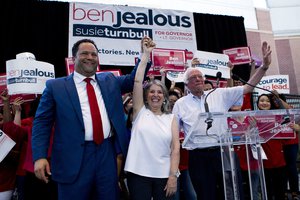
(211, 63)
(274, 82)
(118, 30)
(238, 55)
(69, 65)
(275, 126)
(169, 59)
(28, 76)
(6, 144)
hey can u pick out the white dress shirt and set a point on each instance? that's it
(188, 109)
(85, 106)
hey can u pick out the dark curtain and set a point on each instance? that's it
(215, 33)
(41, 27)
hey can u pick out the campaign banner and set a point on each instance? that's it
(238, 55)
(274, 82)
(118, 30)
(211, 63)
(169, 59)
(27, 76)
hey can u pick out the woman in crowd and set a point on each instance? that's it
(275, 162)
(290, 149)
(153, 154)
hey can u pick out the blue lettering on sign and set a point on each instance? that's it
(22, 80)
(110, 32)
(150, 19)
(273, 80)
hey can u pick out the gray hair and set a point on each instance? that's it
(187, 73)
(165, 107)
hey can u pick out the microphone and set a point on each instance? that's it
(209, 119)
(286, 118)
(218, 75)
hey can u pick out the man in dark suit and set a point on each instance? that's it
(82, 168)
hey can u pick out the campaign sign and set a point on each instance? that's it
(6, 144)
(28, 76)
(238, 55)
(169, 59)
(118, 30)
(69, 65)
(3, 86)
(274, 82)
(276, 126)
(2, 82)
(211, 63)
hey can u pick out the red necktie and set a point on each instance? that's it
(95, 112)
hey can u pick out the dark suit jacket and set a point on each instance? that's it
(60, 106)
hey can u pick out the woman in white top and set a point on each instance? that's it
(153, 154)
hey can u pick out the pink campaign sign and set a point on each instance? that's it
(238, 55)
(169, 59)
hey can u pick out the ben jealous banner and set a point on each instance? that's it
(117, 30)
(28, 76)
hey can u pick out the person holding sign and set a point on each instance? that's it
(205, 162)
(275, 162)
(86, 111)
(12, 128)
(153, 154)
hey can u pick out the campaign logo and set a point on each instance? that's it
(27, 76)
(110, 32)
(113, 23)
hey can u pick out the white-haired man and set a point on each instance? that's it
(205, 162)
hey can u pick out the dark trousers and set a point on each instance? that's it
(275, 182)
(97, 179)
(144, 188)
(290, 156)
(205, 167)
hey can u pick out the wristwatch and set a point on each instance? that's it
(176, 174)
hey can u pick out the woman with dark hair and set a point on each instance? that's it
(153, 154)
(274, 165)
(290, 149)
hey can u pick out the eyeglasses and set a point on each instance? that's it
(194, 77)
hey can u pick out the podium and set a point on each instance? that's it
(244, 128)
